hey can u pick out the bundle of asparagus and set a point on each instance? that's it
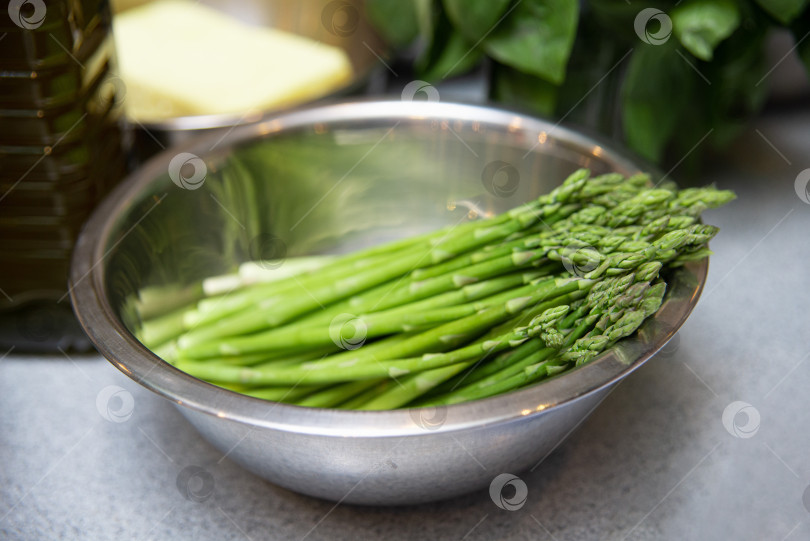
(454, 315)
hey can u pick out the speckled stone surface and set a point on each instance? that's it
(655, 460)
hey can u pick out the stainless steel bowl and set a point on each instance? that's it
(332, 178)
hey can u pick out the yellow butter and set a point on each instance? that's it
(178, 58)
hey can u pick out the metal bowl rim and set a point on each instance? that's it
(116, 343)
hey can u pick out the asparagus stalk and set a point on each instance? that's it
(294, 300)
(457, 314)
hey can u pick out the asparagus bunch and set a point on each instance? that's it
(453, 315)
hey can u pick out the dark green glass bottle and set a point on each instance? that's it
(62, 147)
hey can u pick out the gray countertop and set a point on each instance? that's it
(654, 461)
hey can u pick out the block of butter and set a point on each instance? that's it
(179, 58)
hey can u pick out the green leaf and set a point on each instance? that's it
(475, 18)
(454, 55)
(448, 52)
(522, 90)
(394, 19)
(657, 92)
(783, 11)
(536, 37)
(701, 24)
